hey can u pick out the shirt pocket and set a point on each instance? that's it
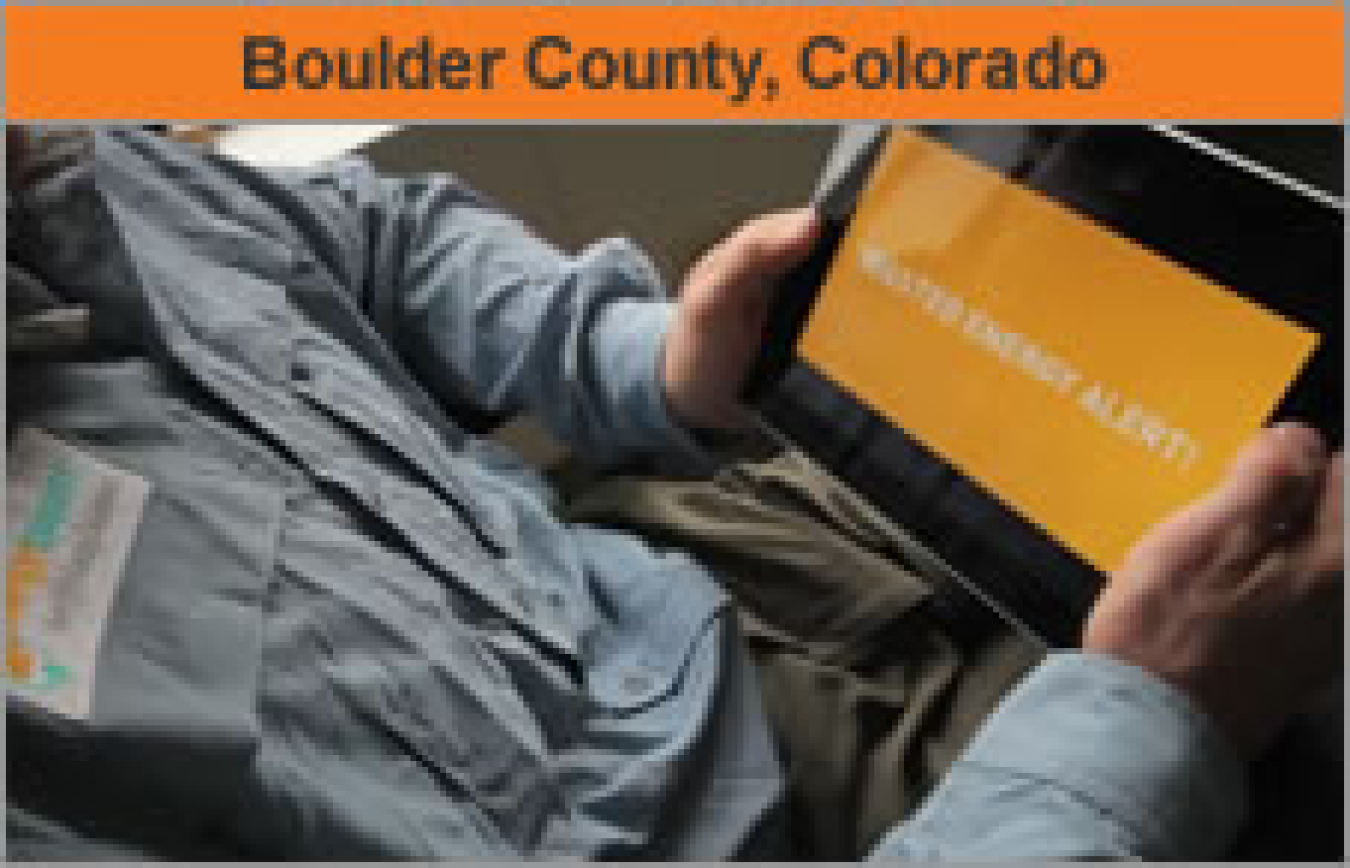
(653, 614)
(180, 662)
(176, 672)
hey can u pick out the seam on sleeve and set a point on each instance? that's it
(1136, 826)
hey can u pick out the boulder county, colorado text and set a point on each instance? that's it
(822, 62)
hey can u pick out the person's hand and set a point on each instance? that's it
(722, 311)
(1237, 599)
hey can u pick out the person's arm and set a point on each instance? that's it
(484, 311)
(1089, 758)
(31, 837)
(1225, 620)
(480, 308)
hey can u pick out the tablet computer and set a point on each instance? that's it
(1027, 344)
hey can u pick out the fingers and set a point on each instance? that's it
(724, 305)
(1237, 600)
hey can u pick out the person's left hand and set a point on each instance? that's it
(722, 311)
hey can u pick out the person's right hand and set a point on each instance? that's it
(1237, 599)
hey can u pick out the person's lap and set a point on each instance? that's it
(872, 692)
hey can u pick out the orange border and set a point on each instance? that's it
(186, 62)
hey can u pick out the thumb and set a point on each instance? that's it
(1277, 475)
(1270, 489)
(763, 249)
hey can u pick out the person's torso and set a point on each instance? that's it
(346, 628)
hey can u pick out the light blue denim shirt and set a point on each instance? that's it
(351, 628)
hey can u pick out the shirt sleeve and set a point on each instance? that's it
(1088, 758)
(486, 313)
(30, 837)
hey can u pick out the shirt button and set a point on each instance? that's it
(555, 599)
(301, 372)
(637, 683)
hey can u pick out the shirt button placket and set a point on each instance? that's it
(300, 372)
(521, 595)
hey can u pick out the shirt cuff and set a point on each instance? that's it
(629, 341)
(1128, 743)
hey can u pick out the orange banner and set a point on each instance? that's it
(669, 62)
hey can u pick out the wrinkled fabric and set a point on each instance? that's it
(872, 690)
(351, 628)
(1089, 758)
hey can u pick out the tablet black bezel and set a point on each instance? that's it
(1281, 220)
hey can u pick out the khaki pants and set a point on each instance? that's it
(871, 690)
